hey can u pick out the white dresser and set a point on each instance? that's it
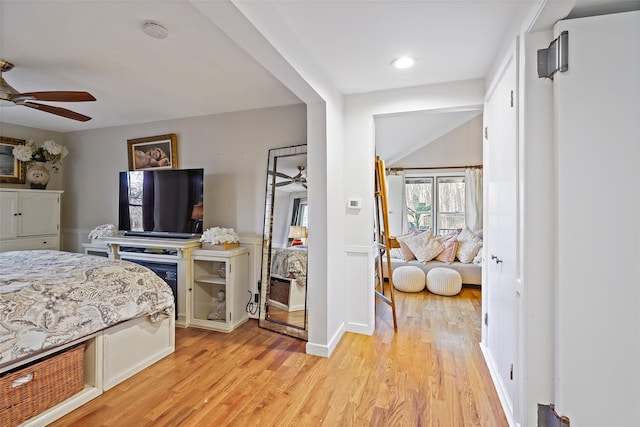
(29, 219)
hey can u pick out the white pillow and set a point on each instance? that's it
(478, 258)
(468, 245)
(424, 246)
(395, 253)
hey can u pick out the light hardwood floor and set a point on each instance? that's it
(431, 373)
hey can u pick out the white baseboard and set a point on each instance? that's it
(326, 350)
(499, 385)
(360, 328)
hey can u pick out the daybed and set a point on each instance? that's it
(50, 301)
(460, 250)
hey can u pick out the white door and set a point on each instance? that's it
(597, 125)
(8, 210)
(501, 234)
(40, 214)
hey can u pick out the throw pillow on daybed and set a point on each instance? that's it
(403, 252)
(450, 244)
(468, 245)
(448, 255)
(424, 246)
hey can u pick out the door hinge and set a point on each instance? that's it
(486, 132)
(511, 372)
(554, 58)
(511, 99)
(229, 316)
(486, 319)
(548, 417)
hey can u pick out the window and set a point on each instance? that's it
(300, 212)
(450, 212)
(435, 202)
(135, 199)
(419, 196)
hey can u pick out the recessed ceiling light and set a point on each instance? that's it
(155, 29)
(404, 62)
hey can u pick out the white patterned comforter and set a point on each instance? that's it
(48, 298)
(290, 263)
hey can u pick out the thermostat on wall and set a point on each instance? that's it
(354, 203)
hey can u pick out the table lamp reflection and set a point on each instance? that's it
(297, 232)
(196, 216)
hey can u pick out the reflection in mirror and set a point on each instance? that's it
(283, 285)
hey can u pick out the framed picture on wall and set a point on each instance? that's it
(153, 152)
(11, 169)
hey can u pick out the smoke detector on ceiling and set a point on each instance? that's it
(155, 29)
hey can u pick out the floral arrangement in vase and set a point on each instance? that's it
(219, 238)
(39, 160)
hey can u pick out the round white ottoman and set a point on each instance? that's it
(444, 281)
(408, 278)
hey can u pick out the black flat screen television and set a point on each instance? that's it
(162, 203)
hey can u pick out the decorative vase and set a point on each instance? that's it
(38, 175)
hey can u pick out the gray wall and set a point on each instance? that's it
(232, 148)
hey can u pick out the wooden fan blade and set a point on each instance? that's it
(57, 110)
(61, 96)
(281, 175)
(282, 184)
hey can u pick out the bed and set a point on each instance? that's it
(289, 277)
(50, 300)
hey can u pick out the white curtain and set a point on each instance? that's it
(405, 224)
(473, 198)
(396, 204)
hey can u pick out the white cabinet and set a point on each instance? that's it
(29, 219)
(218, 293)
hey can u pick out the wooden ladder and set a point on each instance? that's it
(382, 240)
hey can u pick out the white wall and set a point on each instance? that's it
(327, 301)
(358, 179)
(460, 147)
(281, 208)
(39, 136)
(232, 148)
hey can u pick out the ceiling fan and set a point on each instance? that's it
(296, 179)
(10, 95)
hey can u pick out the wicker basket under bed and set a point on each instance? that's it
(37, 387)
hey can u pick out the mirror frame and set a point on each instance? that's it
(274, 325)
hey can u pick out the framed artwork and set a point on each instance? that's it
(11, 169)
(153, 152)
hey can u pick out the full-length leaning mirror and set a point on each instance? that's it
(283, 290)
